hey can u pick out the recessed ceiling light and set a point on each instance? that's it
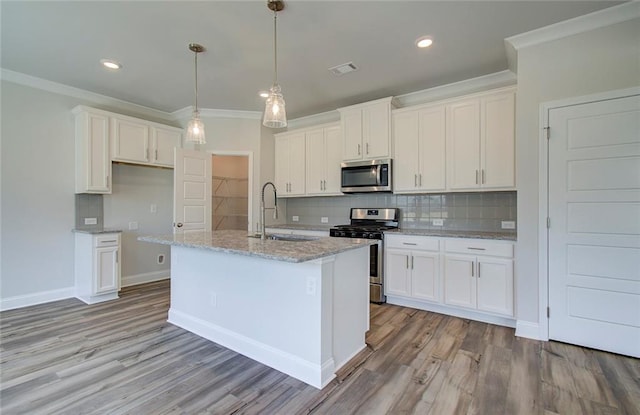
(263, 94)
(110, 64)
(424, 42)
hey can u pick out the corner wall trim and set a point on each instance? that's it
(42, 297)
(137, 279)
(528, 330)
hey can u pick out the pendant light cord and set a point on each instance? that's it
(196, 87)
(275, 47)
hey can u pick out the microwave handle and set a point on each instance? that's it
(379, 176)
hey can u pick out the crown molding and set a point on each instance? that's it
(468, 86)
(580, 24)
(185, 113)
(314, 120)
(87, 96)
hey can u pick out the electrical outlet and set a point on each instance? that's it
(311, 286)
(324, 219)
(153, 208)
(295, 218)
(437, 222)
(90, 221)
(508, 224)
(133, 226)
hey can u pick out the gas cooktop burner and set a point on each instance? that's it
(367, 223)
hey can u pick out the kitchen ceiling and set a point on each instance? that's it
(64, 41)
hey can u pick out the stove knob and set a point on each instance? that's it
(354, 234)
(371, 235)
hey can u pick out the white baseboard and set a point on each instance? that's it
(317, 375)
(27, 300)
(136, 279)
(528, 330)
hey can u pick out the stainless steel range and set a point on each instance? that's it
(371, 224)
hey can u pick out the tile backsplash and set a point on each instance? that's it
(89, 206)
(479, 211)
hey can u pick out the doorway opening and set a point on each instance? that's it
(230, 201)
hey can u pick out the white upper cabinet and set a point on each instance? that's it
(323, 157)
(419, 142)
(163, 142)
(143, 142)
(481, 142)
(93, 161)
(290, 164)
(366, 130)
(130, 140)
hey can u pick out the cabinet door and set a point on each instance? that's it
(463, 145)
(406, 161)
(333, 157)
(376, 131)
(397, 273)
(432, 144)
(164, 141)
(498, 141)
(130, 141)
(495, 285)
(460, 281)
(425, 274)
(296, 165)
(93, 161)
(316, 161)
(107, 269)
(282, 156)
(351, 122)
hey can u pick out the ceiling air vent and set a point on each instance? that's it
(343, 68)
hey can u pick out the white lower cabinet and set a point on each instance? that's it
(97, 267)
(469, 278)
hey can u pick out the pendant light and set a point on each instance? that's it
(275, 115)
(195, 128)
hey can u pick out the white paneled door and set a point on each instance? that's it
(594, 233)
(192, 191)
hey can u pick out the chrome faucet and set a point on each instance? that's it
(263, 233)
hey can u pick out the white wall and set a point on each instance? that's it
(595, 61)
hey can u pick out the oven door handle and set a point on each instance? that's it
(378, 175)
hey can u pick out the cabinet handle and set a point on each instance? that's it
(409, 243)
(411, 261)
(367, 144)
(406, 257)
(476, 249)
(415, 180)
(114, 240)
(358, 149)
(476, 176)
(472, 273)
(483, 180)
(478, 270)
(156, 155)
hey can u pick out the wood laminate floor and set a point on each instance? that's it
(123, 357)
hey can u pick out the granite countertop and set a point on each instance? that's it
(443, 233)
(300, 227)
(237, 242)
(97, 231)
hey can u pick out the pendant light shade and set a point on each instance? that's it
(195, 127)
(275, 115)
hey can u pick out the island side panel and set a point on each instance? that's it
(268, 310)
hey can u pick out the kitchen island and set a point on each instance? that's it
(300, 307)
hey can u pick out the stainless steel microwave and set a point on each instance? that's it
(366, 176)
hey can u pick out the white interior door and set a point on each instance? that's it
(192, 191)
(594, 234)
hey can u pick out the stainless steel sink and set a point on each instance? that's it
(287, 238)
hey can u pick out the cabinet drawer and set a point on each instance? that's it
(107, 240)
(479, 247)
(423, 243)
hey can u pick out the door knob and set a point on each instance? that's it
(179, 225)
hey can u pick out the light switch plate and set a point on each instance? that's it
(295, 218)
(508, 224)
(437, 222)
(90, 221)
(324, 219)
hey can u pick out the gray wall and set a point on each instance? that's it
(459, 211)
(595, 61)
